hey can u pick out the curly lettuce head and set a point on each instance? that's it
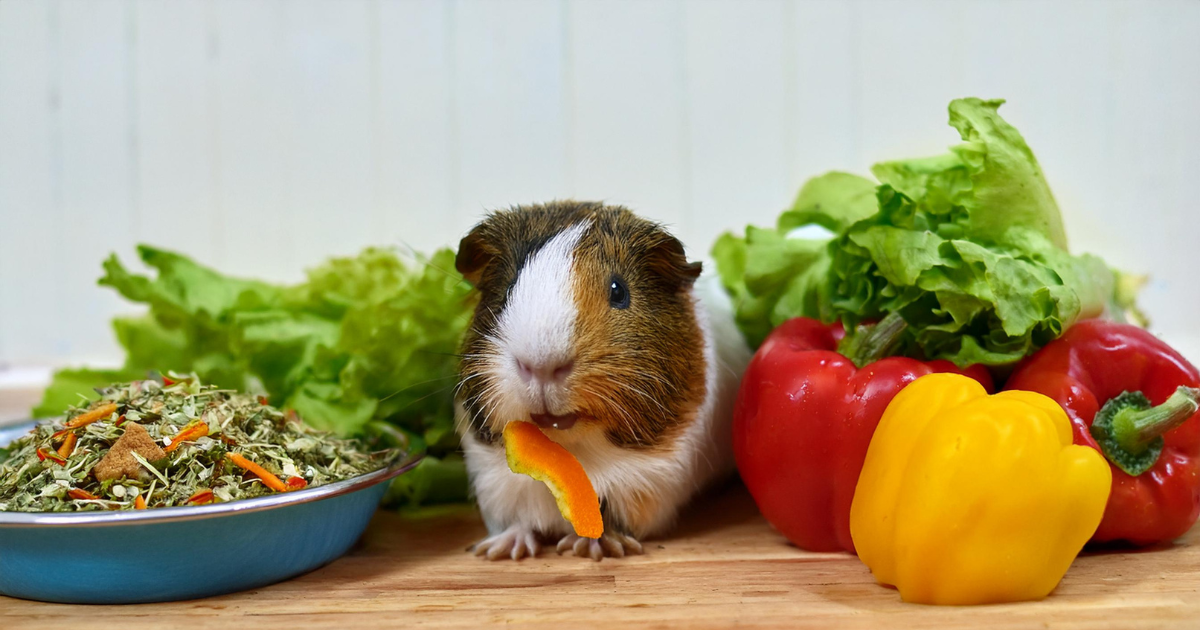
(969, 247)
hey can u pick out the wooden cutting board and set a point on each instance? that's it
(724, 567)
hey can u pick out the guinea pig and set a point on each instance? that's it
(591, 324)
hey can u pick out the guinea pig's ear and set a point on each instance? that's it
(668, 259)
(475, 252)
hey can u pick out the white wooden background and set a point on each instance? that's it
(262, 136)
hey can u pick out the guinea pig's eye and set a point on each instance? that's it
(618, 293)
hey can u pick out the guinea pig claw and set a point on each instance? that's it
(582, 547)
(611, 548)
(609, 545)
(632, 546)
(515, 543)
(532, 547)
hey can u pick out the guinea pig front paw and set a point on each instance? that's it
(610, 544)
(515, 542)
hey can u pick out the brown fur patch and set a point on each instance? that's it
(641, 510)
(640, 369)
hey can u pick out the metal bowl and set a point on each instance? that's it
(171, 554)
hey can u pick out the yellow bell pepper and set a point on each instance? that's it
(966, 498)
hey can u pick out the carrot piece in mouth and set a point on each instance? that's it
(530, 452)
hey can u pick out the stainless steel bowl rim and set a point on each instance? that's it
(215, 510)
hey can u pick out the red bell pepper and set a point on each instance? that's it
(1108, 376)
(804, 417)
(43, 455)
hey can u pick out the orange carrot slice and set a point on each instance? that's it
(88, 417)
(190, 433)
(531, 453)
(68, 446)
(139, 503)
(269, 480)
(82, 495)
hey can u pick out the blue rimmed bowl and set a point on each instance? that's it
(171, 554)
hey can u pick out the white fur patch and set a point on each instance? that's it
(537, 326)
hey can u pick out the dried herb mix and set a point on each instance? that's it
(205, 445)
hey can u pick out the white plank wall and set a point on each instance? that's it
(94, 190)
(262, 136)
(627, 102)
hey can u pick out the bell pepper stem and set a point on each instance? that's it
(1129, 430)
(871, 343)
(1135, 429)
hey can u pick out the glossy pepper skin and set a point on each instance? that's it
(1093, 363)
(967, 498)
(802, 422)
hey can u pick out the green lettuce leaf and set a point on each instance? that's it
(772, 276)
(72, 385)
(365, 341)
(968, 247)
(434, 480)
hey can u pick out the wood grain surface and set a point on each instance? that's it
(723, 567)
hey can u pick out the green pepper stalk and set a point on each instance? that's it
(1130, 430)
(874, 342)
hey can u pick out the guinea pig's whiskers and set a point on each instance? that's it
(442, 354)
(659, 378)
(488, 399)
(429, 263)
(412, 385)
(458, 390)
(417, 400)
(623, 414)
(484, 391)
(640, 393)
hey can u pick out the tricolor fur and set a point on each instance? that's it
(651, 384)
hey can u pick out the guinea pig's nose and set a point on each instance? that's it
(545, 372)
